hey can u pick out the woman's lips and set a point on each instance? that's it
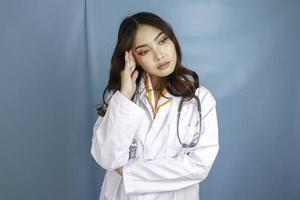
(163, 65)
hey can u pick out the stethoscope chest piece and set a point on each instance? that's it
(133, 149)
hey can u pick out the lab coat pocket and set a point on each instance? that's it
(190, 134)
(187, 135)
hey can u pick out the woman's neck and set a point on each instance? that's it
(155, 81)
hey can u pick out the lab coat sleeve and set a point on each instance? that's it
(168, 174)
(113, 133)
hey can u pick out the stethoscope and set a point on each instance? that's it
(196, 136)
(193, 143)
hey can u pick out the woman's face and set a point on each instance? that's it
(154, 52)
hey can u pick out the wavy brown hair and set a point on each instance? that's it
(177, 83)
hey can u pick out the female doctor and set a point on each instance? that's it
(149, 149)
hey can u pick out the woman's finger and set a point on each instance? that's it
(128, 64)
(132, 58)
(135, 75)
(126, 60)
(131, 61)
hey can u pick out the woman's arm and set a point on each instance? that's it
(141, 176)
(113, 133)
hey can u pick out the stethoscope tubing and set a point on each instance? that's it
(193, 143)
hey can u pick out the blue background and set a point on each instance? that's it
(54, 65)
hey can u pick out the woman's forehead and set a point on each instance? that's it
(146, 34)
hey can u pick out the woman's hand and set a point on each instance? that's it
(120, 171)
(129, 76)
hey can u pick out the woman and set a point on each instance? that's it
(146, 151)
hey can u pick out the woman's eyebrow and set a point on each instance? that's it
(156, 37)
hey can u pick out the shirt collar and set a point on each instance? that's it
(147, 94)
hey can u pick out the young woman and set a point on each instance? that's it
(148, 148)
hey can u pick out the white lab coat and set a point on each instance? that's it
(162, 169)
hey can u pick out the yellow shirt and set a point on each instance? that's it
(151, 97)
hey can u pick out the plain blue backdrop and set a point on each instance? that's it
(54, 65)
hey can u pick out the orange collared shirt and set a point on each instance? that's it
(151, 97)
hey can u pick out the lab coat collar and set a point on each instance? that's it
(145, 87)
(142, 91)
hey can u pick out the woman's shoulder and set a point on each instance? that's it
(109, 95)
(204, 93)
(206, 98)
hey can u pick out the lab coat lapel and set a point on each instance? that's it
(142, 96)
(159, 122)
(158, 134)
(149, 102)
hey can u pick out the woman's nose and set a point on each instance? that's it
(158, 55)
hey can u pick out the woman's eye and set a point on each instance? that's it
(142, 53)
(163, 40)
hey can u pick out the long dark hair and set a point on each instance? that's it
(177, 83)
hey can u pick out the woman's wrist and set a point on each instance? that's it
(125, 94)
(120, 171)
